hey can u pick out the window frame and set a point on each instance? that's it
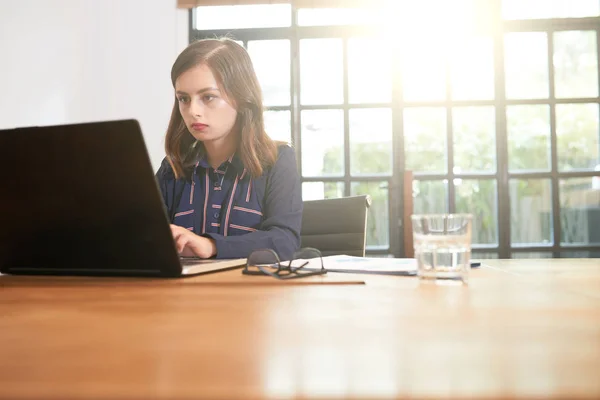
(394, 182)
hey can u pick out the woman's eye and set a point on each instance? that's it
(209, 97)
(183, 100)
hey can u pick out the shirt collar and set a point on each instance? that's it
(234, 160)
(237, 163)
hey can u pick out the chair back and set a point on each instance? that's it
(336, 226)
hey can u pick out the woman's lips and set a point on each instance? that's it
(199, 127)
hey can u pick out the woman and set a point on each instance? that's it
(228, 188)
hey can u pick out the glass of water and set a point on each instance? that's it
(443, 245)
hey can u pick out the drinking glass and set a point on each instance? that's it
(442, 245)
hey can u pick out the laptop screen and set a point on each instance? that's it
(82, 199)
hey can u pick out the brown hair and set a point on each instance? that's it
(233, 70)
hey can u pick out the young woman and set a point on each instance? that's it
(228, 188)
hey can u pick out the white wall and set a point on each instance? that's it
(68, 61)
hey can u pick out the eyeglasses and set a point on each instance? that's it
(266, 262)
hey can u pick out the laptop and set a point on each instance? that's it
(82, 199)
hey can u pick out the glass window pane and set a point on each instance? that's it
(474, 135)
(378, 229)
(424, 71)
(322, 142)
(243, 16)
(338, 16)
(526, 65)
(370, 141)
(473, 69)
(425, 139)
(322, 190)
(430, 197)
(278, 125)
(580, 254)
(580, 210)
(364, 85)
(575, 64)
(478, 197)
(577, 136)
(531, 211)
(271, 59)
(528, 129)
(537, 9)
(475, 255)
(529, 255)
(321, 71)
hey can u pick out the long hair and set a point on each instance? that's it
(235, 75)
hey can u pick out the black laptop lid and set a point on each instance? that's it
(82, 199)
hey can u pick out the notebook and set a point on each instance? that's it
(365, 265)
(82, 199)
(368, 265)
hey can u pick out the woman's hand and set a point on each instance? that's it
(191, 245)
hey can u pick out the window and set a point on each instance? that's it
(494, 106)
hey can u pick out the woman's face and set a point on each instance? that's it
(207, 112)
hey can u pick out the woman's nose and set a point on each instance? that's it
(196, 109)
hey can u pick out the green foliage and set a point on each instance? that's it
(478, 197)
(474, 134)
(371, 158)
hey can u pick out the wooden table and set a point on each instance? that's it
(521, 328)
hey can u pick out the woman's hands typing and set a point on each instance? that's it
(189, 244)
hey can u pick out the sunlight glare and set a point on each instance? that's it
(433, 34)
(429, 18)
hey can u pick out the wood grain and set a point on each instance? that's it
(520, 329)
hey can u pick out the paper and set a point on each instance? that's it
(364, 265)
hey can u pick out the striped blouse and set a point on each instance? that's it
(239, 212)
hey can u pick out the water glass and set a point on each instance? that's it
(442, 245)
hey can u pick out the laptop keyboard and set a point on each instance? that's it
(190, 260)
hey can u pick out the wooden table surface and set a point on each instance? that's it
(521, 328)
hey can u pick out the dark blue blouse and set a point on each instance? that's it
(239, 212)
